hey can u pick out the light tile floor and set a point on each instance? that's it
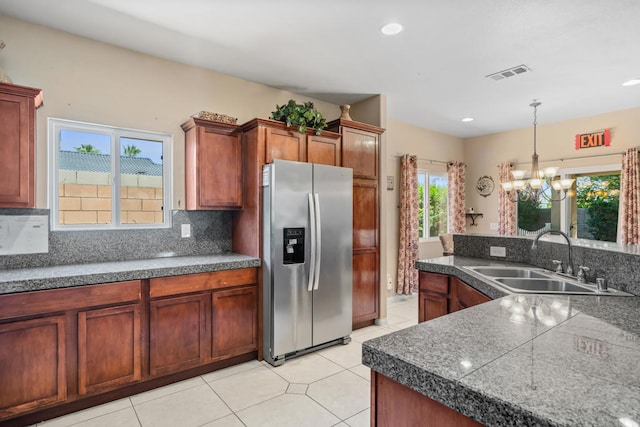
(327, 388)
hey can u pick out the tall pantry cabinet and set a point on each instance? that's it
(360, 145)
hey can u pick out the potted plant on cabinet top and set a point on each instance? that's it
(300, 115)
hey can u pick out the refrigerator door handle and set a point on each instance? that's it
(318, 240)
(312, 225)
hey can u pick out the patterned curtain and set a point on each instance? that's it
(455, 174)
(506, 208)
(630, 198)
(408, 246)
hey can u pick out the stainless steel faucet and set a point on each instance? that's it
(534, 245)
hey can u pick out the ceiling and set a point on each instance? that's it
(432, 73)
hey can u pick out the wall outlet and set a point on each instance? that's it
(493, 226)
(499, 251)
(186, 230)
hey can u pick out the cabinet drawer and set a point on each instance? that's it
(433, 282)
(54, 300)
(174, 285)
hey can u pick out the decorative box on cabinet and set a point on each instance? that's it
(360, 144)
(213, 165)
(18, 106)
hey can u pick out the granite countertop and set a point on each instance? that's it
(62, 276)
(520, 360)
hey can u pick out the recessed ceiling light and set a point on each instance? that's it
(631, 82)
(391, 29)
(467, 119)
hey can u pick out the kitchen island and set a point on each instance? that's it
(549, 360)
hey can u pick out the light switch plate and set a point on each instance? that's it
(499, 251)
(493, 226)
(186, 230)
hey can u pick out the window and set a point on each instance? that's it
(104, 177)
(593, 212)
(432, 199)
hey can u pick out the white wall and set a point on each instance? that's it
(403, 138)
(95, 82)
(554, 141)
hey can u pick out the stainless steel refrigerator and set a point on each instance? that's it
(307, 266)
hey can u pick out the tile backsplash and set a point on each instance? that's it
(210, 234)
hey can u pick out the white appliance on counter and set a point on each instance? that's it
(307, 250)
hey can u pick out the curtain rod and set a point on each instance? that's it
(578, 157)
(428, 160)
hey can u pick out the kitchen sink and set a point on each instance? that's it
(536, 280)
(526, 273)
(542, 285)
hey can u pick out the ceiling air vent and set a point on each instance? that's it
(509, 72)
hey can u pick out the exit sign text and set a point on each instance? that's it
(594, 139)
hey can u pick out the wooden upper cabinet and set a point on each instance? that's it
(213, 165)
(17, 145)
(359, 147)
(284, 144)
(324, 149)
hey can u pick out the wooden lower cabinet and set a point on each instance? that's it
(442, 294)
(235, 321)
(32, 364)
(178, 333)
(393, 404)
(62, 350)
(109, 348)
(365, 290)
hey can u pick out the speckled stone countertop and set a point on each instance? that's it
(523, 360)
(62, 276)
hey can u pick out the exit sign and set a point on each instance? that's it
(601, 138)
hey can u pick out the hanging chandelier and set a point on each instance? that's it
(541, 183)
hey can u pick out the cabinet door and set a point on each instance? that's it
(235, 321)
(219, 169)
(360, 152)
(434, 296)
(284, 145)
(323, 150)
(32, 364)
(365, 286)
(466, 295)
(109, 348)
(17, 148)
(365, 214)
(178, 329)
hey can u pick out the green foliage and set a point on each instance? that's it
(87, 148)
(437, 210)
(300, 115)
(603, 219)
(131, 150)
(421, 210)
(529, 216)
(603, 187)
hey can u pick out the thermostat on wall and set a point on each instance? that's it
(390, 183)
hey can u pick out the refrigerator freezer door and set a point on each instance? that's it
(332, 306)
(290, 304)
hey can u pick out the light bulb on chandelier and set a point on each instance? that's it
(541, 183)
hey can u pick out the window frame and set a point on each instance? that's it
(55, 125)
(426, 225)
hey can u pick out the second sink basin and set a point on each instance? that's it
(542, 285)
(510, 272)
